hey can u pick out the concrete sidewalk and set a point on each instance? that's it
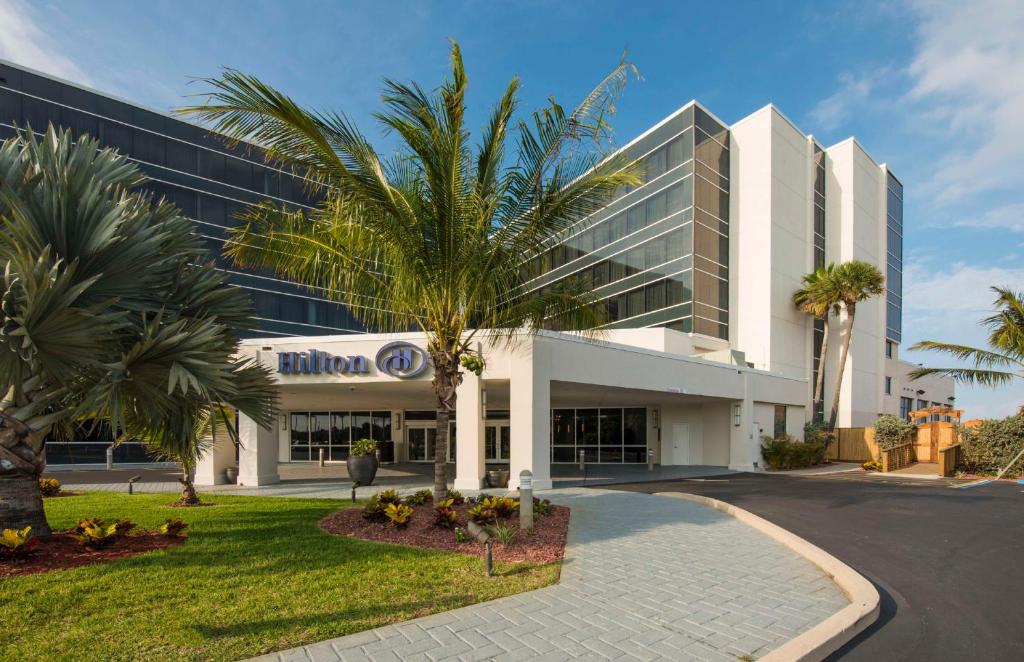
(644, 577)
(332, 482)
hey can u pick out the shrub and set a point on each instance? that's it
(374, 509)
(95, 533)
(363, 447)
(398, 513)
(174, 528)
(891, 431)
(456, 497)
(872, 465)
(504, 533)
(388, 496)
(503, 506)
(482, 514)
(542, 506)
(419, 497)
(17, 543)
(124, 526)
(987, 448)
(49, 487)
(461, 535)
(444, 515)
(785, 452)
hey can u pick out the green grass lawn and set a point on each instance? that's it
(256, 575)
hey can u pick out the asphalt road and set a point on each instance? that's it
(948, 563)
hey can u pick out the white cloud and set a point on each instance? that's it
(967, 81)
(946, 305)
(1007, 217)
(23, 41)
(830, 112)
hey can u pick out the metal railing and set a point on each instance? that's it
(95, 453)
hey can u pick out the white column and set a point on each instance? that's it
(530, 416)
(744, 442)
(220, 456)
(257, 453)
(469, 433)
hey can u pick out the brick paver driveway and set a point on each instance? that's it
(644, 577)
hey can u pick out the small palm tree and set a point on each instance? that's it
(1000, 364)
(852, 282)
(436, 237)
(110, 308)
(818, 299)
(185, 438)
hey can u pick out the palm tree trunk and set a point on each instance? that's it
(188, 488)
(850, 312)
(819, 383)
(22, 460)
(446, 380)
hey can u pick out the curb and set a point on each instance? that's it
(828, 636)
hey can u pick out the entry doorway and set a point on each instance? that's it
(677, 446)
(421, 440)
(497, 442)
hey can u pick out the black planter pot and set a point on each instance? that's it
(362, 469)
(497, 477)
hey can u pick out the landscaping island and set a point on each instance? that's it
(256, 574)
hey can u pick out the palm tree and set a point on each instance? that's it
(435, 237)
(853, 282)
(817, 299)
(185, 438)
(110, 308)
(1000, 364)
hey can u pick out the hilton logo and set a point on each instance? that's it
(315, 362)
(402, 360)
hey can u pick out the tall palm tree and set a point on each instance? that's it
(853, 282)
(110, 308)
(818, 299)
(1000, 364)
(435, 237)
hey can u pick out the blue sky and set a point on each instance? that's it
(934, 89)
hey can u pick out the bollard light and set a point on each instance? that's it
(650, 459)
(354, 486)
(481, 534)
(582, 462)
(321, 457)
(525, 499)
(110, 457)
(131, 483)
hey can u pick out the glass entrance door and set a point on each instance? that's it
(421, 440)
(497, 442)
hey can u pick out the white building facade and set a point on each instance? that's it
(704, 351)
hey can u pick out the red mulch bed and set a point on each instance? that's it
(545, 545)
(62, 552)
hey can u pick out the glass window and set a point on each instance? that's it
(680, 288)
(300, 436)
(149, 147)
(655, 293)
(319, 429)
(635, 260)
(635, 217)
(562, 427)
(611, 427)
(888, 385)
(656, 207)
(635, 427)
(586, 427)
(680, 195)
(677, 242)
(780, 420)
(655, 164)
(654, 252)
(680, 150)
(361, 425)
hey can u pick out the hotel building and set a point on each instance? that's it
(703, 352)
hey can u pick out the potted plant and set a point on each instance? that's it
(362, 462)
(497, 477)
(231, 475)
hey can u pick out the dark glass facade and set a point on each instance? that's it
(819, 261)
(604, 435)
(894, 259)
(658, 254)
(208, 180)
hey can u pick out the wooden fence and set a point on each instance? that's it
(898, 457)
(853, 445)
(949, 459)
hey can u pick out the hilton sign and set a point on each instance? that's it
(400, 359)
